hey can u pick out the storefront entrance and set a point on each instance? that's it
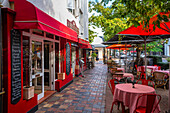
(38, 63)
(48, 65)
(73, 49)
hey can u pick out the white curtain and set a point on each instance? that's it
(5, 3)
(71, 4)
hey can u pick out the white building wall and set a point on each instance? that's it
(166, 48)
(58, 9)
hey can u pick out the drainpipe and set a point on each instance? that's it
(1, 90)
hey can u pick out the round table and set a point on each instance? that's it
(129, 95)
(124, 75)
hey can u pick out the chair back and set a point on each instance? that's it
(113, 70)
(149, 72)
(151, 103)
(145, 82)
(111, 85)
(159, 75)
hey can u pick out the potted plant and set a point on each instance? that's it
(61, 76)
(28, 91)
(94, 55)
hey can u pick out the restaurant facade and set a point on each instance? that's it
(42, 48)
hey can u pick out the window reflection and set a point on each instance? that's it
(36, 57)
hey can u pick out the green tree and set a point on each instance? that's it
(92, 34)
(104, 19)
(155, 46)
(139, 10)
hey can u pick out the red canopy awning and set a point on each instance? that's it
(84, 44)
(115, 46)
(30, 17)
(139, 31)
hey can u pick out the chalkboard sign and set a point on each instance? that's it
(15, 66)
(67, 59)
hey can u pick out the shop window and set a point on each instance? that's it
(38, 32)
(72, 6)
(26, 55)
(11, 5)
(49, 35)
(36, 57)
(57, 37)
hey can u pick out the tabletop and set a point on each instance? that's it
(129, 95)
(154, 68)
(125, 75)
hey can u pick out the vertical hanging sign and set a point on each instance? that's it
(15, 66)
(67, 59)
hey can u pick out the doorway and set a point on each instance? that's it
(49, 65)
(73, 49)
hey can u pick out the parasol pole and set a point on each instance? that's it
(119, 57)
(145, 60)
(126, 58)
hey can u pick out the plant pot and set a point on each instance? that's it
(28, 92)
(77, 67)
(72, 70)
(61, 76)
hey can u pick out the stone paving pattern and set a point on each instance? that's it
(84, 95)
(90, 94)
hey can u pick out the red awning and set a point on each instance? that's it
(84, 44)
(30, 17)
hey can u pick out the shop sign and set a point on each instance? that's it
(15, 66)
(67, 59)
(72, 25)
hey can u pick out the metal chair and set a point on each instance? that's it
(160, 79)
(111, 85)
(145, 82)
(150, 105)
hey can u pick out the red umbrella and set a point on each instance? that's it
(145, 34)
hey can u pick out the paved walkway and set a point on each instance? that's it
(89, 95)
(84, 95)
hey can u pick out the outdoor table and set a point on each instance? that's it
(142, 68)
(125, 75)
(128, 95)
(164, 71)
(121, 69)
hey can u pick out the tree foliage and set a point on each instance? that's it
(155, 46)
(139, 10)
(104, 19)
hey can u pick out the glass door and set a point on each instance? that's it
(49, 60)
(73, 51)
(37, 66)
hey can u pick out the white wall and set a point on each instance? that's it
(166, 48)
(58, 10)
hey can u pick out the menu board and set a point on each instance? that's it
(67, 59)
(15, 66)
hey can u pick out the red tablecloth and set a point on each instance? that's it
(154, 68)
(121, 69)
(129, 95)
(126, 75)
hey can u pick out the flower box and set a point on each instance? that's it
(61, 76)
(28, 92)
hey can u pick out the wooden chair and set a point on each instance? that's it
(145, 82)
(113, 70)
(150, 105)
(160, 79)
(111, 85)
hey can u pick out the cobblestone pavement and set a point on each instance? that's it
(84, 95)
(90, 94)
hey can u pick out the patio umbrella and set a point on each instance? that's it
(119, 46)
(144, 34)
(165, 24)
